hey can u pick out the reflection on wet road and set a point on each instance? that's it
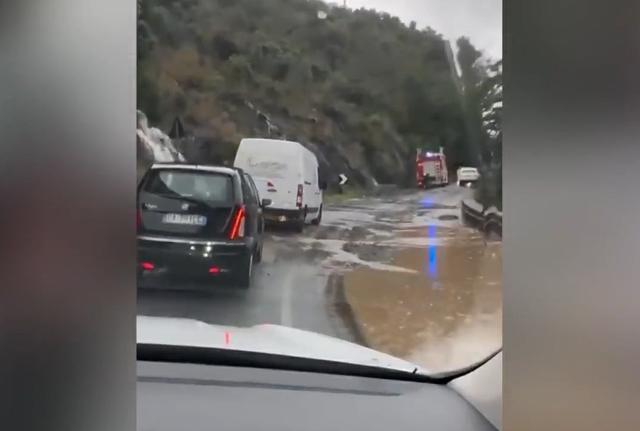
(443, 317)
(400, 274)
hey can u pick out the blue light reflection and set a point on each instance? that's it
(427, 202)
(432, 253)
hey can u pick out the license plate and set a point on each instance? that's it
(282, 218)
(185, 219)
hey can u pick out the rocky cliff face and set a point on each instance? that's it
(331, 142)
(153, 145)
(330, 139)
(359, 88)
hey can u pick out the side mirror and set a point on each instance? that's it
(266, 202)
(323, 185)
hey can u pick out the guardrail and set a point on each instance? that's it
(487, 220)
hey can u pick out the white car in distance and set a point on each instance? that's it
(467, 176)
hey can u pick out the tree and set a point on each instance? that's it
(472, 75)
(492, 103)
(490, 191)
(482, 103)
(471, 70)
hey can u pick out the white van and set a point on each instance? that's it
(286, 173)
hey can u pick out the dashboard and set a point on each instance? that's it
(193, 397)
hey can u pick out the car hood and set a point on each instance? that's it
(483, 389)
(272, 339)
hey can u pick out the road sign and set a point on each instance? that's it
(177, 129)
(343, 179)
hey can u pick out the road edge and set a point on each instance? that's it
(342, 308)
(488, 220)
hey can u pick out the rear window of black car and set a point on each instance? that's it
(203, 186)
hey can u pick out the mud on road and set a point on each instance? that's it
(415, 282)
(399, 273)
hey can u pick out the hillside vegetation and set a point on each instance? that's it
(359, 88)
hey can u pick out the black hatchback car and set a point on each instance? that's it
(202, 223)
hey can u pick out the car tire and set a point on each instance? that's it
(317, 220)
(299, 224)
(244, 279)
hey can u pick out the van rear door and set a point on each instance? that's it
(281, 190)
(277, 178)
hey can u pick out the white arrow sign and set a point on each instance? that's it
(343, 179)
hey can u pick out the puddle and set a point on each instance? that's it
(369, 252)
(342, 255)
(439, 206)
(435, 232)
(445, 315)
(448, 217)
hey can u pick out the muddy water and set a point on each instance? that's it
(445, 315)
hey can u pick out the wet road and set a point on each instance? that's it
(418, 284)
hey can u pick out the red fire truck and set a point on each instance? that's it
(431, 169)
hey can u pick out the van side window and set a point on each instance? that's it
(248, 191)
(253, 186)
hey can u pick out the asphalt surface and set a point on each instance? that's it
(295, 284)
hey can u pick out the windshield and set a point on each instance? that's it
(203, 186)
(357, 233)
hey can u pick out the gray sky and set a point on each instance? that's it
(480, 20)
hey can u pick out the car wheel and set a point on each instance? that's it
(299, 224)
(244, 280)
(317, 220)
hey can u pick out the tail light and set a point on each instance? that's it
(138, 219)
(147, 266)
(270, 184)
(299, 196)
(237, 224)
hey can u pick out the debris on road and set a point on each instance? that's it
(440, 317)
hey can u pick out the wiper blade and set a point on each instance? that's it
(452, 375)
(241, 358)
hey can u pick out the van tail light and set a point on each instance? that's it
(214, 270)
(299, 196)
(237, 224)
